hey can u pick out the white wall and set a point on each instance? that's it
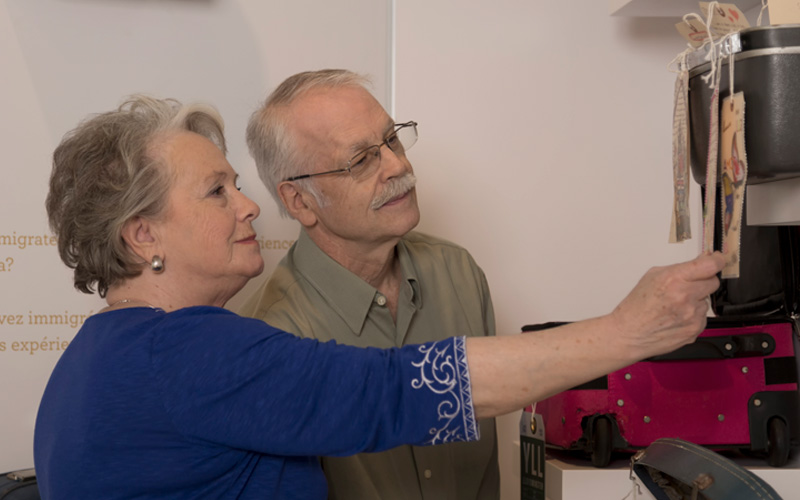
(545, 148)
(62, 60)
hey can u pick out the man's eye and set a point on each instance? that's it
(359, 161)
(218, 191)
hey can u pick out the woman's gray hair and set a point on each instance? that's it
(106, 171)
(272, 145)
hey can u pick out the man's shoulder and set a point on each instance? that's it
(279, 300)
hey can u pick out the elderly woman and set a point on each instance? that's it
(165, 394)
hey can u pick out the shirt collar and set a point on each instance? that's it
(348, 295)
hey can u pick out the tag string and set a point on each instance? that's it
(761, 12)
(730, 75)
(711, 55)
(635, 489)
(533, 412)
(679, 64)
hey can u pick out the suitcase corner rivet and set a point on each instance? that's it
(628, 376)
(745, 369)
(764, 344)
(646, 419)
(721, 417)
(757, 402)
(620, 402)
(728, 347)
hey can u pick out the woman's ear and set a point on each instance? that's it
(138, 234)
(299, 204)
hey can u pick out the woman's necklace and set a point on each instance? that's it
(129, 301)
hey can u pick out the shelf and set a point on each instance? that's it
(774, 203)
(574, 479)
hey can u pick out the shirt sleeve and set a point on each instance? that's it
(241, 383)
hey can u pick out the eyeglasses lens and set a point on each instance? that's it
(365, 162)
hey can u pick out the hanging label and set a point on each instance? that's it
(727, 18)
(710, 205)
(693, 30)
(783, 11)
(531, 449)
(680, 227)
(733, 159)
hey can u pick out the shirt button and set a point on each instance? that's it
(381, 300)
(428, 473)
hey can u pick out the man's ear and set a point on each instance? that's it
(138, 234)
(299, 204)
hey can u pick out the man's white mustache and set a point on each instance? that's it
(395, 188)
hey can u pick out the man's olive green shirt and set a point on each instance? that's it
(443, 293)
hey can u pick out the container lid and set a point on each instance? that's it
(768, 37)
(674, 469)
(759, 40)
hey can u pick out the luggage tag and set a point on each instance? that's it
(712, 79)
(531, 449)
(680, 227)
(693, 30)
(724, 18)
(783, 12)
(710, 206)
(734, 178)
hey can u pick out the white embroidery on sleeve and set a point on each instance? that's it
(444, 371)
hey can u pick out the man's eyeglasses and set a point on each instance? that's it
(366, 161)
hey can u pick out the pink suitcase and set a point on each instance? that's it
(736, 387)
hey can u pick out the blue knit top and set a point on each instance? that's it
(203, 403)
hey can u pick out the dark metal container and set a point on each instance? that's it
(767, 69)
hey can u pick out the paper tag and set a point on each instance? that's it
(733, 159)
(784, 11)
(727, 18)
(680, 228)
(710, 204)
(693, 30)
(531, 448)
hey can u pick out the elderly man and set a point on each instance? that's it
(333, 159)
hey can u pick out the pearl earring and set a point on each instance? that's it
(157, 264)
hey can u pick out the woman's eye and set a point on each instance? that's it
(218, 191)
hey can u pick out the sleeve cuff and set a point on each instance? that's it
(443, 370)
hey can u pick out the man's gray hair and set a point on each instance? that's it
(272, 145)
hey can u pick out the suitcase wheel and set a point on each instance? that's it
(601, 442)
(779, 443)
